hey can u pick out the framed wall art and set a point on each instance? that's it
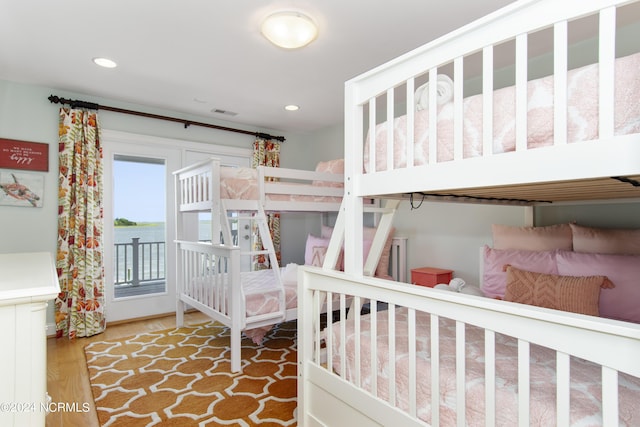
(24, 155)
(21, 189)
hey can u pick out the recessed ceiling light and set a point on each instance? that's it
(105, 62)
(289, 30)
(291, 107)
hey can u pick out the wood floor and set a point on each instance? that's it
(67, 377)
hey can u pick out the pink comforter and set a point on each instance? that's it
(582, 117)
(585, 388)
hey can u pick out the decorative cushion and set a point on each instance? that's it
(326, 232)
(331, 166)
(314, 242)
(620, 303)
(382, 269)
(317, 255)
(545, 238)
(368, 233)
(238, 172)
(568, 293)
(605, 241)
(494, 278)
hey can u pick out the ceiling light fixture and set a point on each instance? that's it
(289, 30)
(105, 62)
(291, 107)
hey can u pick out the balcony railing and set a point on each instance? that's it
(138, 263)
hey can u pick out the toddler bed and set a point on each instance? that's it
(602, 166)
(209, 274)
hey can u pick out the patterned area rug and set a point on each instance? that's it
(182, 377)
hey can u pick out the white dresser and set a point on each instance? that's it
(27, 282)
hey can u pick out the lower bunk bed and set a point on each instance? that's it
(249, 302)
(483, 360)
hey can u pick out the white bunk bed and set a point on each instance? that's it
(335, 382)
(209, 275)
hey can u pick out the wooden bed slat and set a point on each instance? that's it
(487, 101)
(596, 189)
(410, 119)
(435, 368)
(458, 110)
(563, 388)
(560, 58)
(521, 92)
(606, 55)
(490, 377)
(391, 312)
(461, 383)
(433, 116)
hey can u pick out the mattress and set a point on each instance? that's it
(582, 117)
(585, 387)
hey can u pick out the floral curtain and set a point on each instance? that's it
(79, 308)
(266, 153)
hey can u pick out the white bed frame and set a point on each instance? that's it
(325, 398)
(217, 263)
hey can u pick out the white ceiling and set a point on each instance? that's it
(192, 56)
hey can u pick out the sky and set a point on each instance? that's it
(139, 191)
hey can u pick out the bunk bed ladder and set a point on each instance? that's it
(385, 221)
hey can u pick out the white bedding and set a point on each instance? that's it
(585, 387)
(582, 117)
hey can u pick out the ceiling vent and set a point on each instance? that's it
(223, 112)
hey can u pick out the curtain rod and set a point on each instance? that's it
(90, 105)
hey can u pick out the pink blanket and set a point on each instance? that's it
(582, 117)
(585, 387)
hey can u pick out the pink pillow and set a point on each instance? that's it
(326, 232)
(313, 242)
(382, 269)
(368, 233)
(494, 277)
(567, 293)
(622, 302)
(605, 241)
(545, 238)
(331, 166)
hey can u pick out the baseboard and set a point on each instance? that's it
(51, 330)
(51, 327)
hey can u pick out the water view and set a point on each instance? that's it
(140, 252)
(147, 232)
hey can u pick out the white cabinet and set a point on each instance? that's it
(27, 282)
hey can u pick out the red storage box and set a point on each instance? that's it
(430, 276)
